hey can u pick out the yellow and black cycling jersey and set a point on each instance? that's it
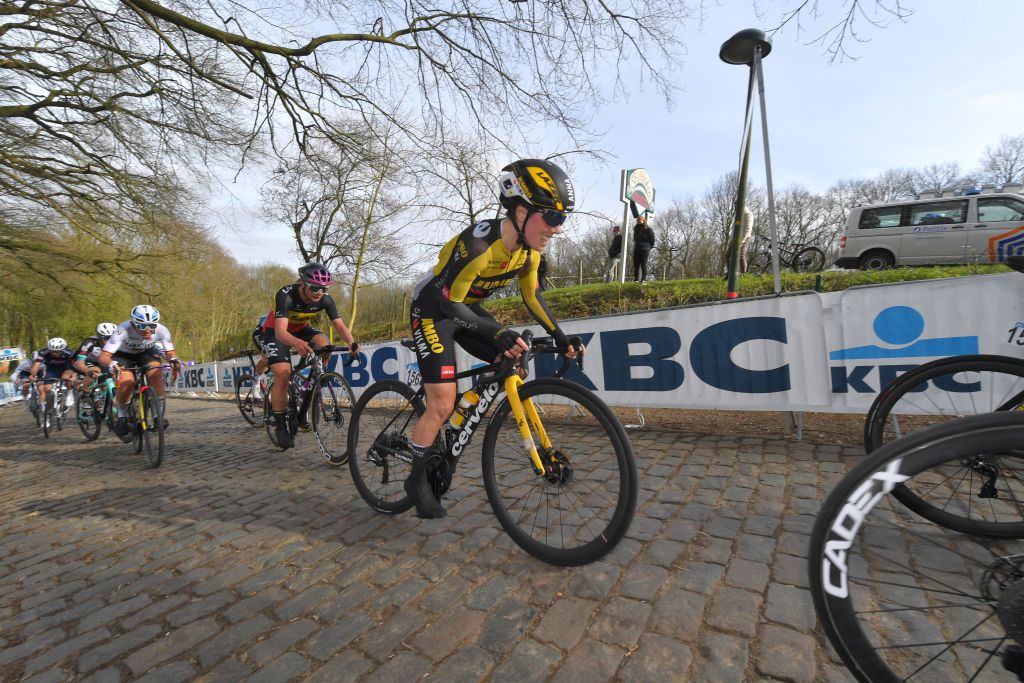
(470, 267)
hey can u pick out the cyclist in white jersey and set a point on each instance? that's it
(138, 341)
(22, 375)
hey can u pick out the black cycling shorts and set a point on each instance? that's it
(435, 339)
(131, 360)
(266, 341)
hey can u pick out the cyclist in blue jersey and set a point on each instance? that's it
(55, 362)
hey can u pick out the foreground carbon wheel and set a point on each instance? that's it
(903, 598)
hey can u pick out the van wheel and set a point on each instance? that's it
(876, 260)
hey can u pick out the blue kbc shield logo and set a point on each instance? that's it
(901, 329)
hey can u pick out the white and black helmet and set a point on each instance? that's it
(145, 315)
(106, 329)
(57, 344)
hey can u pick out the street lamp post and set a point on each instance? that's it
(749, 47)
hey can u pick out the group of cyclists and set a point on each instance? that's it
(537, 196)
(141, 342)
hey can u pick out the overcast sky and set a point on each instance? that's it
(939, 87)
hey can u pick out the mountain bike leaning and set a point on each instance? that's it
(905, 597)
(323, 400)
(800, 258)
(557, 465)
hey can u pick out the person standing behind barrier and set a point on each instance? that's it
(614, 254)
(643, 242)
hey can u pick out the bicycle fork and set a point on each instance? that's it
(526, 418)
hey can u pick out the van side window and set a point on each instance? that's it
(882, 217)
(997, 209)
(938, 213)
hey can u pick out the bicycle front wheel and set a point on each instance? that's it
(808, 260)
(379, 435)
(331, 412)
(88, 417)
(581, 506)
(903, 599)
(49, 417)
(989, 500)
(151, 428)
(249, 400)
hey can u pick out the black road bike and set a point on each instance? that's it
(557, 465)
(799, 259)
(251, 393)
(327, 400)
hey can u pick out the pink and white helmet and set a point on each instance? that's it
(316, 274)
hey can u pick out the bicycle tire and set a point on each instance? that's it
(383, 416)
(562, 496)
(48, 416)
(152, 428)
(330, 414)
(867, 553)
(249, 400)
(60, 409)
(88, 417)
(808, 260)
(1004, 377)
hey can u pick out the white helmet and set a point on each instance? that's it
(143, 314)
(57, 344)
(106, 329)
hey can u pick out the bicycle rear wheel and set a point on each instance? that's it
(808, 260)
(379, 435)
(249, 399)
(577, 511)
(331, 412)
(151, 428)
(901, 598)
(88, 417)
(989, 500)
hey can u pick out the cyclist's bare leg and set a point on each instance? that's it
(261, 364)
(440, 403)
(279, 392)
(125, 386)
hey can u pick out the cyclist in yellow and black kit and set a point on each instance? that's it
(537, 197)
(288, 325)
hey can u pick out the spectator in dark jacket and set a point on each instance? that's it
(643, 242)
(614, 254)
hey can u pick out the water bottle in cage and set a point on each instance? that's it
(466, 403)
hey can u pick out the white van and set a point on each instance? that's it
(973, 228)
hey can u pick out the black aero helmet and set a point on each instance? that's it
(314, 273)
(536, 183)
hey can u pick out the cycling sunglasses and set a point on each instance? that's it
(144, 326)
(553, 218)
(319, 289)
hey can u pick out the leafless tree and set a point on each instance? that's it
(939, 177)
(1004, 163)
(839, 30)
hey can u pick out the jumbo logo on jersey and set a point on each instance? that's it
(480, 230)
(430, 334)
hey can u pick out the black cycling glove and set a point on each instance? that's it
(506, 339)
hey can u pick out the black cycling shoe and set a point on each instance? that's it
(283, 438)
(121, 426)
(418, 488)
(304, 424)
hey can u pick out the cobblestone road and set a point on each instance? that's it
(233, 562)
